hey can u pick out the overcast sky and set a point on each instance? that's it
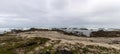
(35, 13)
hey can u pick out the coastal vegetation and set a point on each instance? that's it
(38, 45)
(31, 44)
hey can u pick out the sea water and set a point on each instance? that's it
(2, 30)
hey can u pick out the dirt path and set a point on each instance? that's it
(106, 42)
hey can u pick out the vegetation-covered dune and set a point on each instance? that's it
(38, 45)
(43, 41)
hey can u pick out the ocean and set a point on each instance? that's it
(2, 30)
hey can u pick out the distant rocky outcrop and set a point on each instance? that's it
(105, 34)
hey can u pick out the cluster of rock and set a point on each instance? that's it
(84, 32)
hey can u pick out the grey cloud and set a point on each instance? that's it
(58, 12)
(59, 4)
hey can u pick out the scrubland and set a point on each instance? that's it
(52, 42)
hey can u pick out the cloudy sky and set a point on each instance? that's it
(51, 13)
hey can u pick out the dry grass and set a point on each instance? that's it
(52, 42)
(107, 41)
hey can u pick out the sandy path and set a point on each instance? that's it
(72, 39)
